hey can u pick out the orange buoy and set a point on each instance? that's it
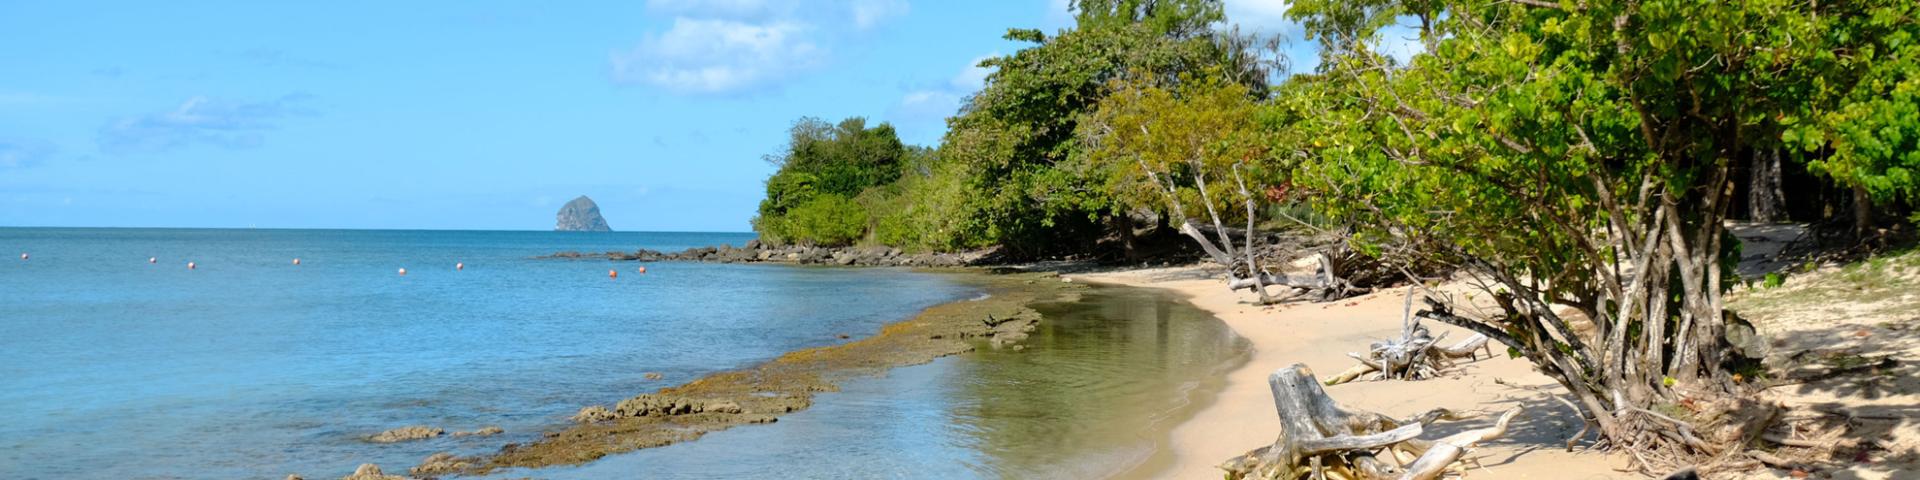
(643, 269)
(296, 261)
(459, 266)
(613, 274)
(403, 271)
(153, 259)
(190, 266)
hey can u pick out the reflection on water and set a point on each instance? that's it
(1095, 392)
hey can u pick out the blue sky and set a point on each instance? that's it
(462, 115)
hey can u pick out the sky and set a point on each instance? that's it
(466, 115)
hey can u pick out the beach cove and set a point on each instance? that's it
(238, 365)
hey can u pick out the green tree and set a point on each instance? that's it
(1184, 151)
(1010, 140)
(834, 162)
(1860, 121)
(1570, 154)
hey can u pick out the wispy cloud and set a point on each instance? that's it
(870, 13)
(1266, 17)
(276, 58)
(202, 121)
(730, 46)
(923, 111)
(24, 152)
(717, 56)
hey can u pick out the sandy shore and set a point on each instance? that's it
(1320, 335)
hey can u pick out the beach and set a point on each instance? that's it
(1319, 335)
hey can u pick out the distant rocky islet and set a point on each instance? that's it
(580, 215)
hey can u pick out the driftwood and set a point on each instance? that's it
(1416, 355)
(1320, 439)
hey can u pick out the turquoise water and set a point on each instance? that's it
(251, 367)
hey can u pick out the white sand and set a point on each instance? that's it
(1320, 335)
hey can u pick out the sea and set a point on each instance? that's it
(213, 353)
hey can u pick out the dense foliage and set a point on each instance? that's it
(821, 169)
(1582, 155)
(1004, 174)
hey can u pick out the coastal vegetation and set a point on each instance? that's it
(1579, 161)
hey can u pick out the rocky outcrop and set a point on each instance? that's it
(368, 471)
(402, 434)
(486, 431)
(581, 215)
(756, 252)
(442, 463)
(593, 413)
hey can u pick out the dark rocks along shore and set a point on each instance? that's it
(757, 252)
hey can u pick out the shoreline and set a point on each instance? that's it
(785, 384)
(1241, 417)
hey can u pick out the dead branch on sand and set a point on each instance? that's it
(1416, 355)
(1319, 439)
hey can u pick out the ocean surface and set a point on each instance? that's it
(249, 366)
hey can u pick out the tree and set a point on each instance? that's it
(1862, 109)
(1576, 156)
(1162, 147)
(832, 161)
(1011, 140)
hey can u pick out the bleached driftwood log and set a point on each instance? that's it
(1416, 355)
(1320, 439)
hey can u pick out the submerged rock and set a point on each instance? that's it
(402, 434)
(442, 463)
(581, 215)
(368, 471)
(486, 431)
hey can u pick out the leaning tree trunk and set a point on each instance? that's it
(1220, 249)
(1656, 336)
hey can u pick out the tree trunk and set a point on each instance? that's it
(1862, 212)
(1764, 196)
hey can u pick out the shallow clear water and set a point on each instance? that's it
(1093, 396)
(251, 367)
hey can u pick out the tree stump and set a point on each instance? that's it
(1320, 439)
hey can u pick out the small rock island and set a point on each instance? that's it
(581, 215)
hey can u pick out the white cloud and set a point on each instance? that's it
(974, 76)
(921, 113)
(1400, 41)
(201, 120)
(1266, 17)
(1059, 14)
(727, 46)
(736, 9)
(24, 152)
(869, 13)
(718, 56)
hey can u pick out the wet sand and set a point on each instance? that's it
(1242, 418)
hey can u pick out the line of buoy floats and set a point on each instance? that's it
(611, 273)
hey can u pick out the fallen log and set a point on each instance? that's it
(1321, 439)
